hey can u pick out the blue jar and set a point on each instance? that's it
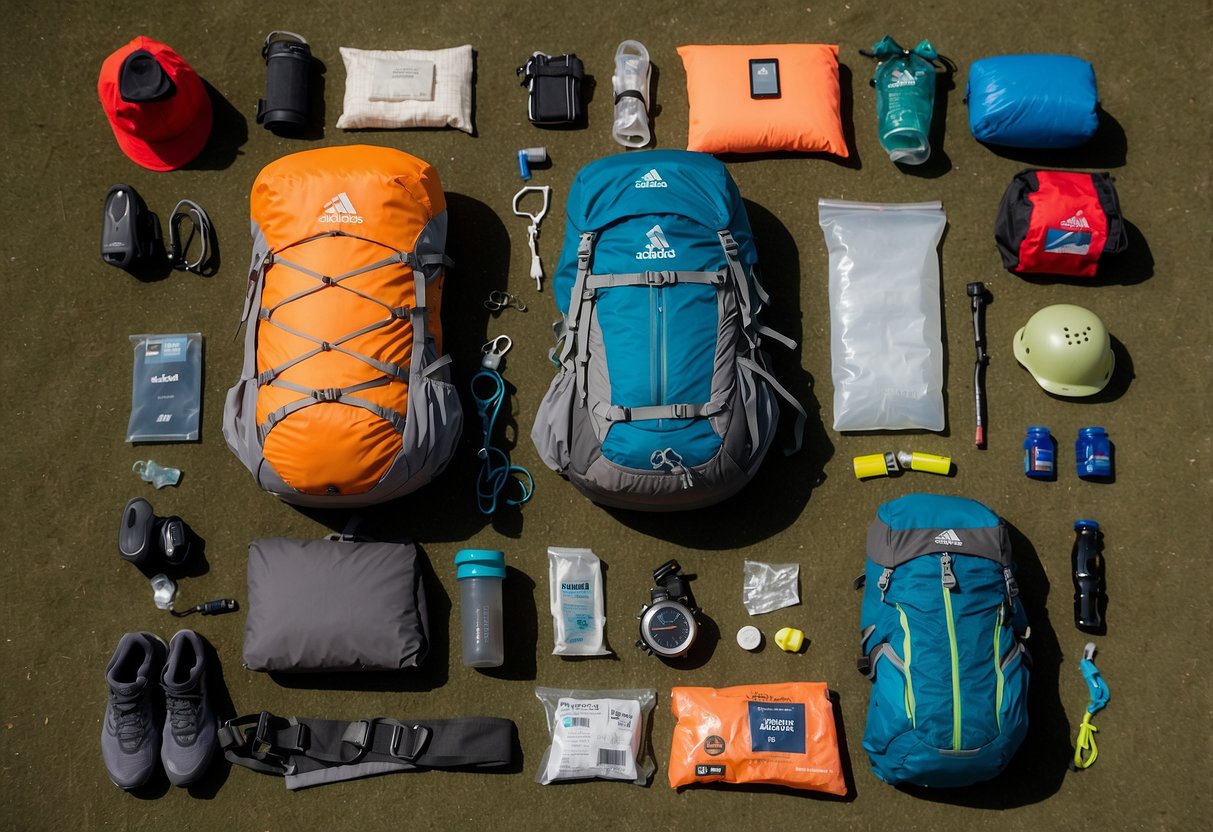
(1093, 454)
(1038, 454)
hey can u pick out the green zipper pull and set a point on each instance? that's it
(949, 577)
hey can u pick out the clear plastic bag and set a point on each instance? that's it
(885, 342)
(166, 388)
(770, 586)
(597, 733)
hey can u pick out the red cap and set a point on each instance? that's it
(156, 104)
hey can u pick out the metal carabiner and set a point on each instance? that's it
(498, 300)
(494, 351)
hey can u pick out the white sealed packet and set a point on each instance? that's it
(597, 733)
(575, 589)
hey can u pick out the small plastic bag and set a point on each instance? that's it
(783, 734)
(886, 351)
(575, 589)
(597, 734)
(166, 388)
(770, 586)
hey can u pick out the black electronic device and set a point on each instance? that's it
(1087, 560)
(667, 623)
(130, 232)
(146, 539)
(764, 78)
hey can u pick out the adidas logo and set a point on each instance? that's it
(1078, 221)
(339, 209)
(165, 378)
(658, 247)
(949, 538)
(652, 179)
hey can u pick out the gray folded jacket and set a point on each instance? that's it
(334, 604)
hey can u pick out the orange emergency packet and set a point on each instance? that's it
(782, 734)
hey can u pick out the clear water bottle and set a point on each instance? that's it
(631, 85)
(905, 99)
(480, 573)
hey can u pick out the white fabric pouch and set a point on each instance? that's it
(407, 88)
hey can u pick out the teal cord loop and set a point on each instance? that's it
(496, 471)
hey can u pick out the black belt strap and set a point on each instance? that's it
(310, 752)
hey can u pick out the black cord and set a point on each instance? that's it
(220, 605)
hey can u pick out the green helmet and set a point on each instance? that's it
(1067, 350)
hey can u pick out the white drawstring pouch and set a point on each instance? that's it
(886, 352)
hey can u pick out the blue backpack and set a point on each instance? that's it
(664, 399)
(941, 637)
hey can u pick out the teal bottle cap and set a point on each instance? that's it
(479, 563)
(1085, 524)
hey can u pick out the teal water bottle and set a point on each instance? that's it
(905, 99)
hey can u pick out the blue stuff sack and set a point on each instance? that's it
(1033, 101)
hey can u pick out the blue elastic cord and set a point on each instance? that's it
(496, 472)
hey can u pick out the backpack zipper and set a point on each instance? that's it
(905, 657)
(658, 347)
(948, 582)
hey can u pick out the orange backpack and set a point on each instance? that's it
(345, 398)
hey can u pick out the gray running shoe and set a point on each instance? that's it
(131, 729)
(188, 743)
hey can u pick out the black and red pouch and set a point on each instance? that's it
(1059, 223)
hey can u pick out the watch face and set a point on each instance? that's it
(668, 628)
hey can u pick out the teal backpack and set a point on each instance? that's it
(941, 636)
(664, 398)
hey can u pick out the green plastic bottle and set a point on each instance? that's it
(905, 99)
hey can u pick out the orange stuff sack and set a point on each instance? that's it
(345, 398)
(806, 117)
(782, 734)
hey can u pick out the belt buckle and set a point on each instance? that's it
(418, 736)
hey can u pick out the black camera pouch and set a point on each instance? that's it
(130, 232)
(554, 86)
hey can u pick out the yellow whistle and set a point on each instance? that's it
(790, 639)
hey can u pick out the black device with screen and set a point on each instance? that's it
(764, 78)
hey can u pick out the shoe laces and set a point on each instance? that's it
(129, 723)
(183, 710)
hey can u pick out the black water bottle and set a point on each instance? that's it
(288, 63)
(1088, 565)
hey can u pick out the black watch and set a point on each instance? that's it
(667, 623)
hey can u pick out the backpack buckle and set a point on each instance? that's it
(660, 278)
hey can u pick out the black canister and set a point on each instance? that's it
(288, 63)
